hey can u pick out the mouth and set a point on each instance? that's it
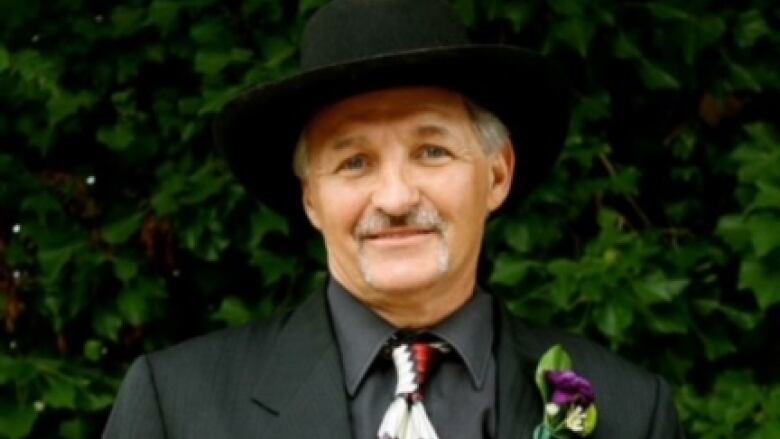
(398, 236)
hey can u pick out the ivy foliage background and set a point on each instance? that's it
(121, 230)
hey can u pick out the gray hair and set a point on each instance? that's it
(492, 133)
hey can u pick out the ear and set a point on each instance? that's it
(308, 205)
(501, 172)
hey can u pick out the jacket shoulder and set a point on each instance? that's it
(227, 341)
(201, 370)
(589, 356)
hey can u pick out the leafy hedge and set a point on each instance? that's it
(121, 230)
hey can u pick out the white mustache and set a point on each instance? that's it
(378, 222)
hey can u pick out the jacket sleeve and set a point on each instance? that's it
(136, 413)
(665, 424)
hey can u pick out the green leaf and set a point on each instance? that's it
(93, 350)
(307, 6)
(717, 345)
(206, 236)
(62, 105)
(519, 14)
(211, 63)
(93, 402)
(591, 418)
(742, 78)
(133, 307)
(119, 231)
(744, 320)
(165, 15)
(10, 369)
(767, 197)
(656, 78)
(767, 430)
(208, 181)
(589, 110)
(212, 33)
(38, 70)
(16, 421)
(107, 324)
(567, 7)
(542, 431)
(763, 136)
(118, 137)
(127, 20)
(657, 288)
(273, 266)
(54, 260)
(732, 229)
(556, 358)
(624, 48)
(233, 312)
(79, 428)
(763, 281)
(666, 12)
(751, 27)
(125, 269)
(510, 270)
(765, 233)
(61, 393)
(467, 10)
(5, 59)
(613, 318)
(277, 50)
(609, 220)
(666, 323)
(518, 237)
(702, 33)
(624, 182)
(140, 303)
(575, 32)
(44, 206)
(213, 101)
(264, 221)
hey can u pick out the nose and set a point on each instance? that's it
(395, 193)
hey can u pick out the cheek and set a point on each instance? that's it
(341, 207)
(460, 192)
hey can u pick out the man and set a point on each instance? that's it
(404, 135)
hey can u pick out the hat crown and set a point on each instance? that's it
(349, 30)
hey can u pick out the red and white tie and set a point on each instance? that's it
(406, 417)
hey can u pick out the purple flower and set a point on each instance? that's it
(569, 388)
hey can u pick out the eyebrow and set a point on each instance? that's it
(432, 130)
(428, 130)
(347, 142)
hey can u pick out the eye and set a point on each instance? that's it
(354, 163)
(435, 152)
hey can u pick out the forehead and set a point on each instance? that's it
(417, 103)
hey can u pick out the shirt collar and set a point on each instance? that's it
(361, 334)
(470, 332)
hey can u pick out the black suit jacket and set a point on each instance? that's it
(282, 378)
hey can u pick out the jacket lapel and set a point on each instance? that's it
(519, 404)
(304, 384)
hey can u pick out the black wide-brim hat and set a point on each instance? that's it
(356, 46)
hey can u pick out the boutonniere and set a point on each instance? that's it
(569, 408)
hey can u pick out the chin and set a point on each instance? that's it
(402, 276)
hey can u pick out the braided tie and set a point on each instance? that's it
(406, 417)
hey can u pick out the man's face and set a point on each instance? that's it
(400, 187)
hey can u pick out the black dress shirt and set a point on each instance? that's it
(460, 397)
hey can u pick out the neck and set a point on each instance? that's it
(421, 314)
(418, 308)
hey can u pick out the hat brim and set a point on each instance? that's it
(258, 131)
